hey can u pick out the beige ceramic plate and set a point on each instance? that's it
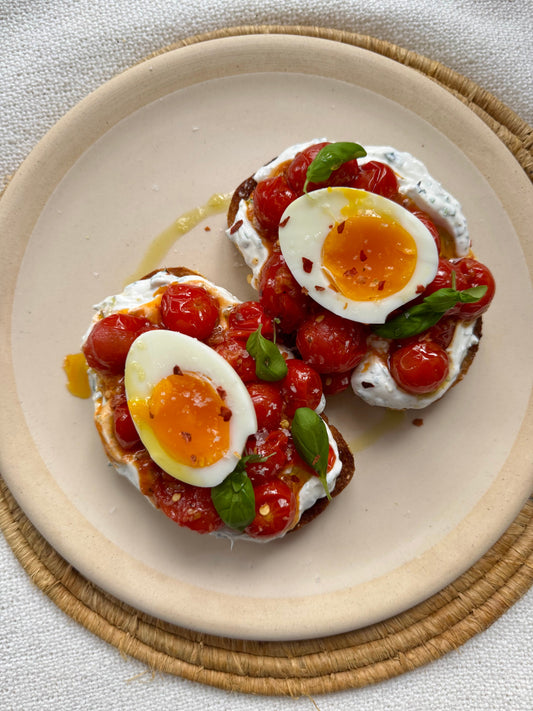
(77, 219)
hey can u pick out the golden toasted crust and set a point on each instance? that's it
(243, 192)
(344, 478)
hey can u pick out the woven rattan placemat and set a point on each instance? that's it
(354, 659)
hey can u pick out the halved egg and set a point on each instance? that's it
(192, 411)
(358, 254)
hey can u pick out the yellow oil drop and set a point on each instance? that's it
(75, 367)
(390, 420)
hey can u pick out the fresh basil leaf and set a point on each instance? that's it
(270, 365)
(330, 158)
(310, 437)
(234, 498)
(422, 316)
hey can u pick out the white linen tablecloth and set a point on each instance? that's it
(55, 52)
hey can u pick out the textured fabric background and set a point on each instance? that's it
(53, 53)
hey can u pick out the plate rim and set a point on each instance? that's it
(10, 190)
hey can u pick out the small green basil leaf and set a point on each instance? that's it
(330, 158)
(270, 365)
(311, 440)
(422, 316)
(234, 498)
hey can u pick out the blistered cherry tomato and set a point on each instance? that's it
(110, 339)
(474, 273)
(297, 171)
(301, 387)
(125, 432)
(281, 295)
(244, 319)
(275, 509)
(377, 177)
(331, 344)
(189, 309)
(234, 351)
(268, 404)
(271, 197)
(444, 278)
(428, 222)
(272, 446)
(333, 383)
(190, 506)
(420, 367)
(442, 332)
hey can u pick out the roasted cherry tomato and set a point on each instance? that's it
(234, 351)
(110, 339)
(419, 367)
(297, 171)
(272, 446)
(268, 404)
(271, 197)
(377, 177)
(125, 432)
(331, 344)
(301, 387)
(189, 506)
(244, 319)
(444, 278)
(189, 309)
(428, 222)
(281, 295)
(275, 509)
(333, 383)
(474, 273)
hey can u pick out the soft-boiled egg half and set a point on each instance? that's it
(356, 253)
(191, 410)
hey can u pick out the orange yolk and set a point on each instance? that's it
(75, 367)
(189, 418)
(367, 257)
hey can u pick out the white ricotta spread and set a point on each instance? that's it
(141, 293)
(374, 384)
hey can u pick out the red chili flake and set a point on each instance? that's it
(362, 256)
(186, 436)
(221, 393)
(307, 265)
(282, 224)
(207, 228)
(319, 288)
(381, 285)
(420, 289)
(366, 384)
(225, 413)
(418, 422)
(350, 272)
(340, 227)
(194, 458)
(236, 226)
(177, 370)
(305, 291)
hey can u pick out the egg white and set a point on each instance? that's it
(308, 220)
(151, 358)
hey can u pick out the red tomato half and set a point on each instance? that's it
(189, 309)
(275, 509)
(419, 367)
(110, 339)
(190, 506)
(331, 344)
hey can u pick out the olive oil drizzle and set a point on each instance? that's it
(391, 420)
(161, 244)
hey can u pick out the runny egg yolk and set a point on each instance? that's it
(368, 257)
(189, 418)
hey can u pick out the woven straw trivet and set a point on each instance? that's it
(354, 659)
